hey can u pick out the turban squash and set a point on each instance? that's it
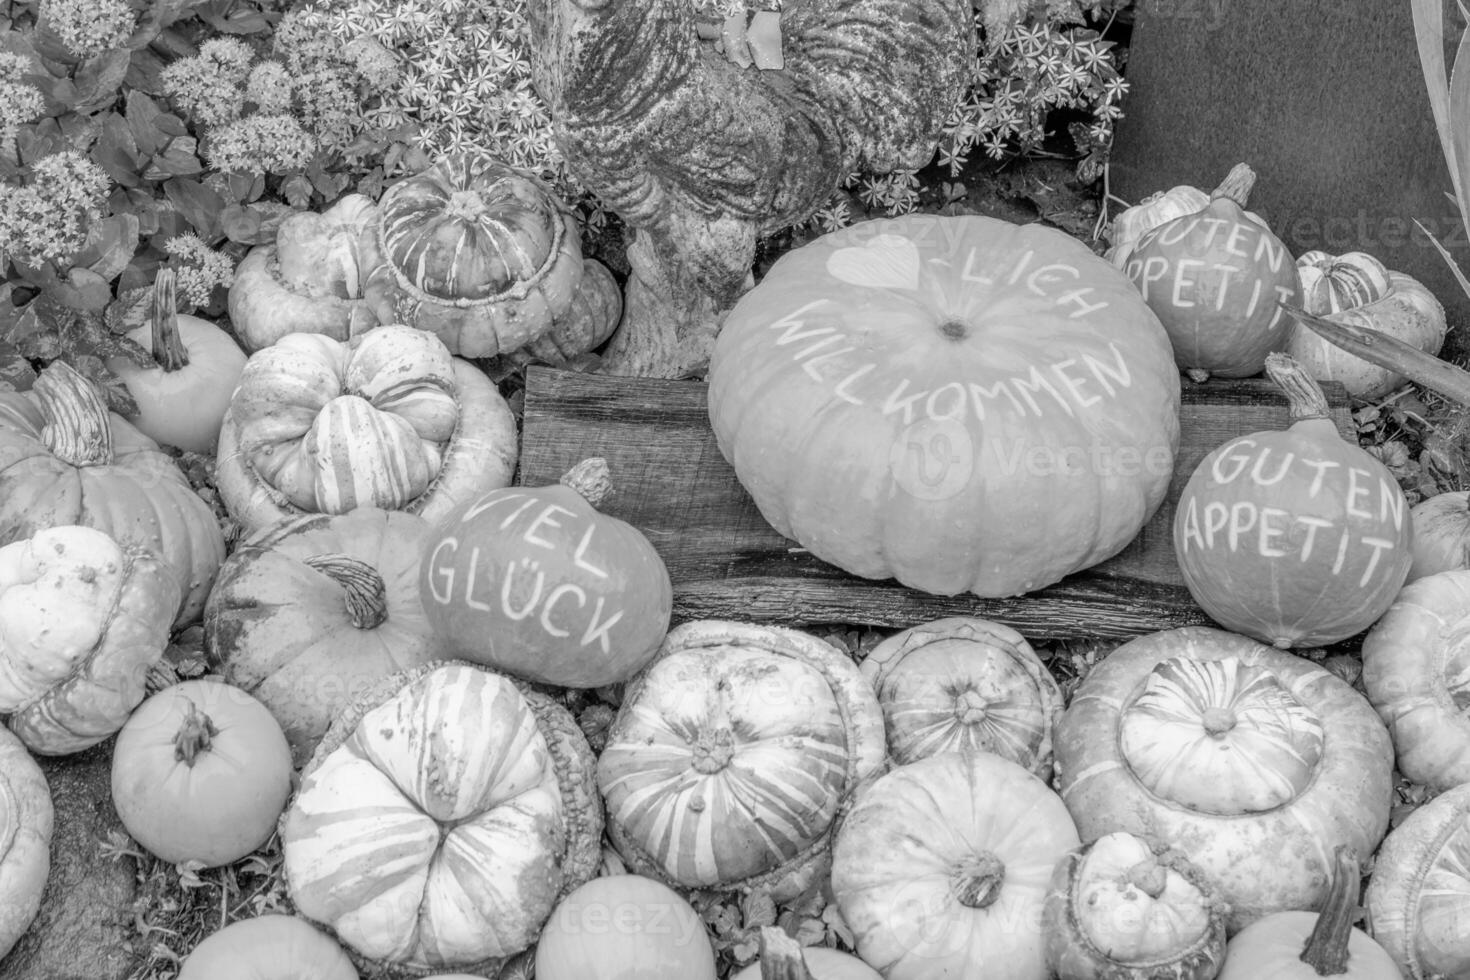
(914, 397)
(26, 821)
(388, 419)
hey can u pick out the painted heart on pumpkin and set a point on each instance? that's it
(886, 262)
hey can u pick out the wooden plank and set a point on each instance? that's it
(726, 562)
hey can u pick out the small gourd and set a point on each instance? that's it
(181, 401)
(1297, 945)
(1441, 540)
(1216, 279)
(1297, 537)
(1158, 208)
(535, 581)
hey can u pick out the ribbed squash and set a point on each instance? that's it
(479, 253)
(1357, 289)
(731, 754)
(1253, 762)
(441, 819)
(81, 620)
(388, 419)
(965, 683)
(26, 821)
(941, 868)
(311, 280)
(1125, 908)
(1418, 899)
(1156, 209)
(309, 613)
(65, 459)
(1416, 670)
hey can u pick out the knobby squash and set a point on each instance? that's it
(26, 822)
(484, 814)
(731, 754)
(84, 620)
(965, 683)
(536, 582)
(916, 397)
(941, 868)
(388, 419)
(1295, 537)
(1253, 762)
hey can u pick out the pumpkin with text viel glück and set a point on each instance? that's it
(959, 403)
(1295, 537)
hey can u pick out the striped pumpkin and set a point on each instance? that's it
(731, 754)
(1356, 289)
(1254, 762)
(479, 253)
(84, 620)
(65, 459)
(388, 420)
(441, 819)
(965, 683)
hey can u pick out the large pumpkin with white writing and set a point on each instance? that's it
(1216, 278)
(536, 582)
(388, 419)
(959, 403)
(1252, 761)
(1295, 537)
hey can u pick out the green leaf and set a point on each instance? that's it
(224, 15)
(110, 246)
(199, 205)
(16, 373)
(114, 392)
(82, 290)
(152, 128)
(296, 189)
(116, 152)
(99, 79)
(129, 311)
(1449, 259)
(241, 223)
(179, 160)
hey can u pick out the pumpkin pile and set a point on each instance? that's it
(400, 640)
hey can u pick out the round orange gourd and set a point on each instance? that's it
(201, 772)
(747, 740)
(941, 868)
(65, 460)
(1125, 908)
(1416, 670)
(181, 401)
(536, 582)
(1295, 537)
(1253, 762)
(1418, 898)
(1216, 278)
(965, 683)
(311, 612)
(268, 947)
(26, 821)
(919, 397)
(624, 926)
(1302, 945)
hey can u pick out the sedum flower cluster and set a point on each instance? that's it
(47, 219)
(457, 72)
(199, 268)
(89, 27)
(272, 115)
(20, 101)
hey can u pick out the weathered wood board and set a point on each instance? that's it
(726, 562)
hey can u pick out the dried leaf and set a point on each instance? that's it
(759, 910)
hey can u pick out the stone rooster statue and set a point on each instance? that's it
(701, 156)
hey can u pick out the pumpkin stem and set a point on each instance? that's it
(78, 427)
(168, 347)
(1237, 184)
(1217, 720)
(194, 736)
(1327, 947)
(978, 883)
(714, 750)
(367, 596)
(971, 708)
(1149, 877)
(781, 956)
(1301, 389)
(590, 478)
